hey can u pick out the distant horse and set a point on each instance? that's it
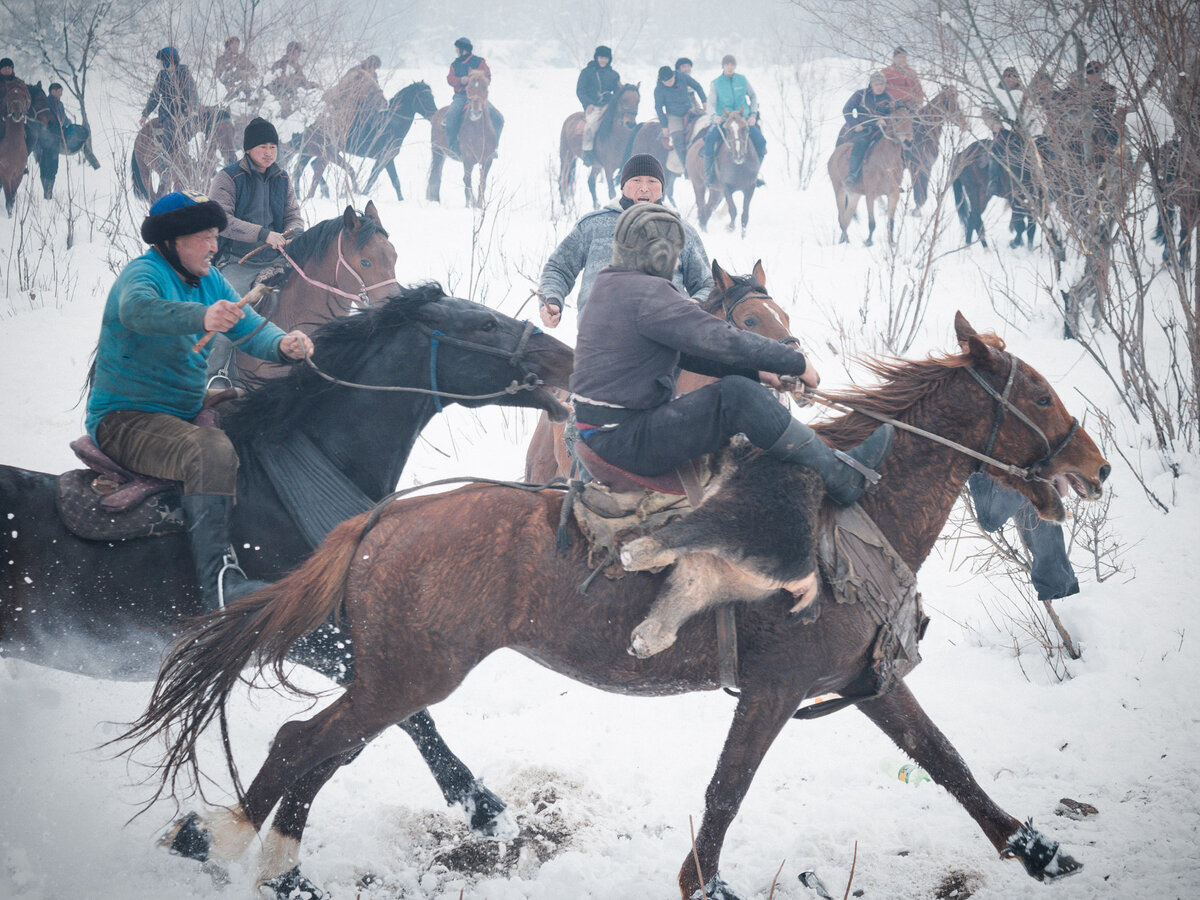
(972, 191)
(1177, 180)
(737, 170)
(48, 141)
(431, 586)
(927, 138)
(317, 146)
(742, 300)
(346, 263)
(612, 138)
(155, 172)
(477, 142)
(14, 152)
(882, 174)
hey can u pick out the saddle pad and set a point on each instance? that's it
(79, 497)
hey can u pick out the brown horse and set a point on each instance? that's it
(648, 138)
(155, 172)
(344, 263)
(928, 122)
(14, 153)
(431, 586)
(612, 138)
(477, 142)
(882, 174)
(737, 170)
(742, 300)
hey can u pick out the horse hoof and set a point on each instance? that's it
(187, 838)
(868, 243)
(1042, 857)
(292, 885)
(716, 889)
(488, 814)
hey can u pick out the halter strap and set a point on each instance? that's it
(360, 298)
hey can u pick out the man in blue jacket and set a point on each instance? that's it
(147, 382)
(596, 86)
(730, 92)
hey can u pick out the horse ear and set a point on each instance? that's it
(350, 218)
(760, 274)
(372, 213)
(962, 328)
(721, 277)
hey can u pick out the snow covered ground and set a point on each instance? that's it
(604, 786)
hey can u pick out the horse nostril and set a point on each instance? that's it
(1104, 471)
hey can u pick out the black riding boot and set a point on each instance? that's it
(679, 145)
(845, 473)
(210, 518)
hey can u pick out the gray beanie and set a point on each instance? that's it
(649, 237)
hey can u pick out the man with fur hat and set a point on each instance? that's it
(147, 383)
(588, 248)
(730, 92)
(460, 72)
(596, 86)
(638, 331)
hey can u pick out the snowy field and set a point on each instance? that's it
(604, 786)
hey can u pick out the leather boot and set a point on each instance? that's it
(210, 518)
(845, 474)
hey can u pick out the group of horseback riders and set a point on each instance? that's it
(57, 131)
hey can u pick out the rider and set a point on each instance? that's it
(903, 85)
(588, 248)
(460, 71)
(672, 103)
(234, 69)
(6, 75)
(596, 87)
(683, 74)
(730, 91)
(174, 95)
(56, 135)
(864, 111)
(357, 102)
(290, 78)
(260, 204)
(147, 382)
(1024, 120)
(637, 331)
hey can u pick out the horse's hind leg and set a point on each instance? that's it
(901, 718)
(871, 201)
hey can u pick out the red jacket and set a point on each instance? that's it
(461, 68)
(904, 86)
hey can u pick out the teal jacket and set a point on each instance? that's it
(144, 360)
(733, 92)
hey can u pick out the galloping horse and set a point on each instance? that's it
(317, 146)
(477, 142)
(737, 170)
(108, 608)
(742, 300)
(927, 138)
(882, 174)
(150, 158)
(14, 153)
(608, 150)
(431, 586)
(345, 263)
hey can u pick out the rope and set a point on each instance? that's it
(514, 387)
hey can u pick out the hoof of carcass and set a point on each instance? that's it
(650, 638)
(1042, 857)
(291, 885)
(645, 553)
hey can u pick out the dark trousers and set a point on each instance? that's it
(1052, 574)
(165, 446)
(713, 138)
(862, 141)
(656, 441)
(454, 117)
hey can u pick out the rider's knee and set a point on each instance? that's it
(211, 463)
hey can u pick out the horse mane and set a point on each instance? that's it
(905, 384)
(312, 243)
(342, 345)
(401, 95)
(714, 303)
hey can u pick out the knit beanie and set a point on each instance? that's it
(6, 63)
(642, 164)
(648, 237)
(180, 213)
(259, 131)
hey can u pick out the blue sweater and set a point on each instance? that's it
(144, 359)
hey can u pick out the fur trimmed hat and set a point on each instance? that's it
(180, 213)
(259, 131)
(642, 164)
(649, 237)
(603, 51)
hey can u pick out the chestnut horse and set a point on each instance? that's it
(742, 300)
(737, 170)
(612, 138)
(154, 172)
(477, 142)
(882, 174)
(431, 586)
(14, 153)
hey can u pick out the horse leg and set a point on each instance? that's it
(901, 718)
(731, 206)
(433, 190)
(391, 170)
(871, 201)
(483, 174)
(592, 187)
(747, 196)
(757, 721)
(893, 202)
(470, 197)
(845, 213)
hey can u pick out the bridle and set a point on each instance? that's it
(360, 299)
(739, 294)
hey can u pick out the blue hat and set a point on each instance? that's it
(464, 44)
(180, 213)
(168, 56)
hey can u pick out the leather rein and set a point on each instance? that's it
(739, 294)
(360, 299)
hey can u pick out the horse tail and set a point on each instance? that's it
(135, 175)
(204, 664)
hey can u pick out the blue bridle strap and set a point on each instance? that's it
(433, 349)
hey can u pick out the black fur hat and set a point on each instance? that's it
(603, 51)
(180, 213)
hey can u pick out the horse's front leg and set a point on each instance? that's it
(731, 206)
(893, 202)
(871, 201)
(759, 718)
(470, 196)
(592, 186)
(901, 718)
(747, 196)
(391, 170)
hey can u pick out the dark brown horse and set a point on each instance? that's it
(155, 172)
(477, 142)
(742, 300)
(973, 190)
(14, 153)
(737, 170)
(612, 139)
(882, 174)
(927, 139)
(1176, 174)
(431, 586)
(648, 138)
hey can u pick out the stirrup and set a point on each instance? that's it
(869, 474)
(229, 563)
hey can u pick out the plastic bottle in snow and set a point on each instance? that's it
(908, 772)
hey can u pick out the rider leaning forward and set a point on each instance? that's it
(147, 383)
(638, 331)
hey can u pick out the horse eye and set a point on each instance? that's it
(1042, 402)
(365, 263)
(750, 321)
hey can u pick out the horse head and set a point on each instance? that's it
(16, 100)
(737, 136)
(744, 303)
(899, 125)
(477, 90)
(415, 99)
(628, 99)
